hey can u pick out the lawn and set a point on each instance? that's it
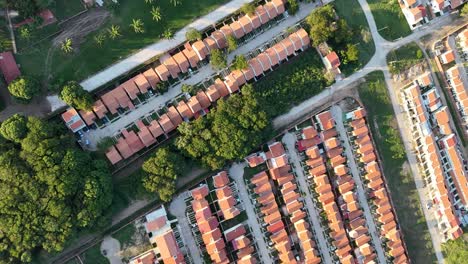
(93, 256)
(405, 57)
(291, 83)
(124, 235)
(351, 11)
(89, 58)
(389, 18)
(403, 191)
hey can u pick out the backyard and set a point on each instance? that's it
(374, 96)
(389, 18)
(88, 57)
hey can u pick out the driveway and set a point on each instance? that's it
(112, 248)
(338, 116)
(237, 173)
(290, 141)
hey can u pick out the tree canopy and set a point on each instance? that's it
(240, 63)
(14, 128)
(228, 132)
(25, 8)
(24, 89)
(319, 21)
(74, 95)
(248, 8)
(232, 43)
(162, 169)
(218, 60)
(192, 34)
(456, 251)
(48, 189)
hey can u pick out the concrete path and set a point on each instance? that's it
(237, 173)
(177, 208)
(289, 140)
(202, 74)
(338, 116)
(112, 248)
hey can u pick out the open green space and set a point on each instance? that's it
(405, 57)
(351, 11)
(374, 96)
(291, 83)
(389, 18)
(64, 9)
(93, 256)
(90, 58)
(124, 235)
(456, 251)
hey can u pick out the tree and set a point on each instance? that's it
(352, 53)
(464, 10)
(137, 25)
(192, 34)
(149, 1)
(14, 128)
(456, 251)
(190, 89)
(114, 31)
(293, 7)
(25, 33)
(25, 8)
(232, 43)
(48, 189)
(99, 39)
(24, 89)
(168, 33)
(248, 9)
(156, 13)
(240, 63)
(162, 169)
(320, 21)
(228, 132)
(75, 96)
(105, 143)
(419, 54)
(67, 45)
(218, 60)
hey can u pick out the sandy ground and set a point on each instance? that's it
(112, 248)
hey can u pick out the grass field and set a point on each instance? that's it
(89, 58)
(124, 235)
(389, 18)
(405, 57)
(351, 11)
(403, 192)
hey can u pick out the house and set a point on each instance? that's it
(131, 89)
(88, 117)
(163, 72)
(171, 65)
(152, 78)
(99, 109)
(332, 61)
(9, 67)
(182, 61)
(142, 83)
(200, 49)
(73, 120)
(447, 57)
(191, 55)
(113, 155)
(123, 148)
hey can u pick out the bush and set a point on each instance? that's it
(293, 7)
(192, 34)
(232, 43)
(24, 89)
(240, 63)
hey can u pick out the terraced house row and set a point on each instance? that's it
(131, 142)
(231, 245)
(334, 191)
(441, 159)
(125, 97)
(285, 219)
(376, 189)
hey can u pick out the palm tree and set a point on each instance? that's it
(176, 2)
(67, 45)
(100, 39)
(168, 34)
(114, 31)
(156, 13)
(25, 33)
(137, 26)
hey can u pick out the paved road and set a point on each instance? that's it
(177, 208)
(203, 73)
(289, 140)
(338, 116)
(237, 173)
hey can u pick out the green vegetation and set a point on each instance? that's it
(456, 251)
(93, 256)
(25, 8)
(74, 95)
(89, 58)
(14, 128)
(218, 59)
(23, 89)
(232, 43)
(290, 84)
(227, 133)
(49, 190)
(240, 63)
(403, 58)
(192, 34)
(5, 41)
(248, 8)
(293, 7)
(382, 122)
(162, 169)
(389, 18)
(124, 235)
